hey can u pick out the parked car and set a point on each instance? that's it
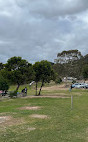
(75, 85)
(86, 86)
(31, 83)
(79, 85)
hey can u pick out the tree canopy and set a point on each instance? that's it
(20, 71)
(68, 56)
(85, 71)
(43, 72)
(72, 68)
(4, 85)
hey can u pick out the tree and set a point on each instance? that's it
(20, 71)
(85, 72)
(68, 56)
(1, 66)
(58, 80)
(4, 85)
(36, 68)
(43, 72)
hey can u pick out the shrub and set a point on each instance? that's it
(13, 94)
(74, 81)
(58, 80)
(4, 85)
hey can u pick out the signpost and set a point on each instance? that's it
(71, 97)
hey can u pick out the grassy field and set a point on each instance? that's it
(51, 121)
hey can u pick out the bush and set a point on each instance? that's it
(4, 85)
(58, 80)
(13, 94)
(74, 81)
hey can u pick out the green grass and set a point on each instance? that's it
(63, 124)
(31, 90)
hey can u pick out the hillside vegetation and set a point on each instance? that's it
(72, 68)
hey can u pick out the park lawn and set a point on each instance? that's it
(61, 124)
(31, 89)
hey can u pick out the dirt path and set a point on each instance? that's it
(47, 96)
(55, 87)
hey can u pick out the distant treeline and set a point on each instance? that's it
(73, 68)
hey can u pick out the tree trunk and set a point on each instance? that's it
(17, 87)
(40, 88)
(36, 88)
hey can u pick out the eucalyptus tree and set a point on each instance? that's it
(43, 73)
(20, 71)
(85, 72)
(4, 85)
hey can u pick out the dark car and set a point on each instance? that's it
(86, 86)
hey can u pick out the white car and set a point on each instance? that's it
(83, 85)
(80, 85)
(75, 85)
(31, 83)
(86, 86)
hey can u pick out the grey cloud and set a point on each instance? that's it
(38, 30)
(53, 8)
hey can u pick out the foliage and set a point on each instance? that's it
(58, 80)
(1, 66)
(4, 85)
(85, 71)
(6, 74)
(73, 68)
(13, 94)
(74, 81)
(68, 56)
(20, 71)
(70, 52)
(43, 72)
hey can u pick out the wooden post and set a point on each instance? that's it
(71, 101)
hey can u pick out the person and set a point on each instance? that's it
(25, 91)
(70, 88)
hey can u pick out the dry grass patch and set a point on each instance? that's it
(23, 129)
(31, 129)
(55, 87)
(30, 108)
(49, 96)
(4, 119)
(39, 116)
(57, 96)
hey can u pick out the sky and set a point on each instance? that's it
(40, 29)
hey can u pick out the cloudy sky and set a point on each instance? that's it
(39, 29)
